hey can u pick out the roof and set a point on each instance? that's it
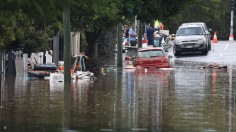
(194, 23)
(151, 48)
(191, 25)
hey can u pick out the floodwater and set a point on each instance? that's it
(187, 98)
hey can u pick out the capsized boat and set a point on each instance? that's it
(39, 74)
(42, 70)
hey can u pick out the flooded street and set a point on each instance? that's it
(187, 98)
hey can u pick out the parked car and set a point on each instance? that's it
(192, 37)
(154, 57)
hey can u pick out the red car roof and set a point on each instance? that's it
(152, 48)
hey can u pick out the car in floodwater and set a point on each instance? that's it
(192, 37)
(154, 57)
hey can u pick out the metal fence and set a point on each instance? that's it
(11, 62)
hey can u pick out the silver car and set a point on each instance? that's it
(207, 30)
(192, 37)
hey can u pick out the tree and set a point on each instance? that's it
(28, 29)
(94, 16)
(91, 17)
(215, 13)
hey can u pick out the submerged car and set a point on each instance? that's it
(151, 58)
(192, 37)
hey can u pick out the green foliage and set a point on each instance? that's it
(34, 24)
(37, 40)
(10, 28)
(150, 10)
(93, 14)
(215, 13)
(27, 24)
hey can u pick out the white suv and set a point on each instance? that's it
(192, 37)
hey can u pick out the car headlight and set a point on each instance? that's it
(200, 41)
(178, 42)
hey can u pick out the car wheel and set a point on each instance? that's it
(205, 51)
(175, 52)
(209, 47)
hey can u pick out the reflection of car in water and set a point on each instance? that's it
(191, 85)
(151, 57)
(191, 78)
(143, 94)
(152, 71)
(153, 77)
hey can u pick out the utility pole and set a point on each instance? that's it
(231, 36)
(119, 46)
(140, 30)
(67, 41)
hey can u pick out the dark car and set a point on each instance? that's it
(154, 57)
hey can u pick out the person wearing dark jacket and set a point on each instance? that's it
(150, 35)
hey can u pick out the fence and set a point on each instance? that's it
(11, 63)
(14, 62)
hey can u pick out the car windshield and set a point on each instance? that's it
(189, 31)
(150, 53)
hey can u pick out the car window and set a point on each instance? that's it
(205, 30)
(151, 53)
(189, 31)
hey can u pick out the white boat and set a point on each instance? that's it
(79, 75)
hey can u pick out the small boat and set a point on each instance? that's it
(50, 67)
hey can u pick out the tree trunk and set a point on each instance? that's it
(91, 38)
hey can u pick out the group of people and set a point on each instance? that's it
(130, 35)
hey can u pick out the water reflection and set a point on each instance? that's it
(184, 99)
(1, 100)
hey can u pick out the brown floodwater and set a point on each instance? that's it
(187, 98)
